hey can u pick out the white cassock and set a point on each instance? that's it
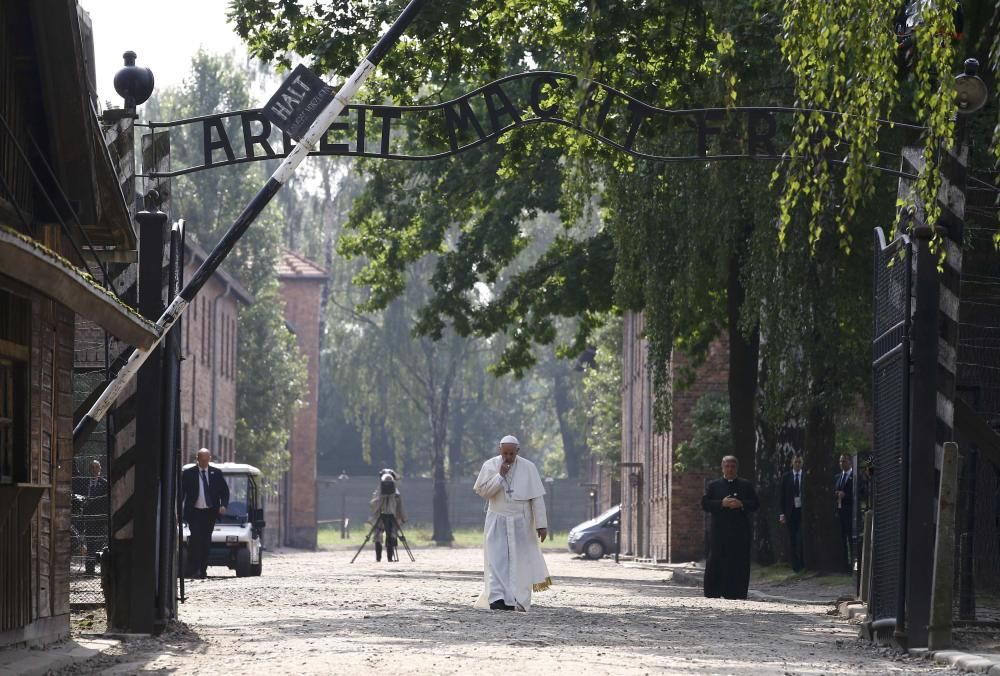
(513, 561)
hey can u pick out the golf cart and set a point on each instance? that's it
(236, 540)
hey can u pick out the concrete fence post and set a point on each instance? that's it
(943, 589)
(866, 556)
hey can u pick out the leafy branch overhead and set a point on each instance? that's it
(549, 224)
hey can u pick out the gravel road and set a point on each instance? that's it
(314, 613)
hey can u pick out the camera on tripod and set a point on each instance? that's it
(387, 519)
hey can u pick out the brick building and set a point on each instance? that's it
(661, 509)
(59, 184)
(209, 340)
(301, 286)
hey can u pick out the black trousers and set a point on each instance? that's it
(793, 522)
(201, 522)
(386, 526)
(846, 536)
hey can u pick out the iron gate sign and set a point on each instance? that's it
(610, 116)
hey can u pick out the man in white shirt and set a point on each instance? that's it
(515, 522)
(206, 497)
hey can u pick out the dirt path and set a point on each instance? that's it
(314, 613)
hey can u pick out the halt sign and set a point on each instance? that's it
(298, 102)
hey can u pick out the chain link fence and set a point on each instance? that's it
(90, 519)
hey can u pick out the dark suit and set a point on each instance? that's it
(727, 572)
(201, 521)
(92, 521)
(790, 489)
(845, 516)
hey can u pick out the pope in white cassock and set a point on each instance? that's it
(515, 522)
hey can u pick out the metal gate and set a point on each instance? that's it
(890, 447)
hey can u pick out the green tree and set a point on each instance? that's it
(757, 264)
(711, 435)
(602, 385)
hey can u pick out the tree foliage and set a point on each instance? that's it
(711, 435)
(775, 255)
(602, 386)
(842, 58)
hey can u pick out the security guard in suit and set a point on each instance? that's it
(206, 497)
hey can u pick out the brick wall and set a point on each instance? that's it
(209, 340)
(645, 522)
(302, 309)
(687, 520)
(634, 427)
(711, 376)
(662, 516)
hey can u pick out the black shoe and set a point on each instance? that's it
(499, 605)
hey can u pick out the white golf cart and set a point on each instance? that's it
(236, 540)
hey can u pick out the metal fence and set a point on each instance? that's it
(890, 403)
(90, 489)
(978, 374)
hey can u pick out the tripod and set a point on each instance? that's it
(399, 532)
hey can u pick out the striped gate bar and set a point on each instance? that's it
(120, 138)
(951, 199)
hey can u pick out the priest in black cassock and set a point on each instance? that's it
(729, 500)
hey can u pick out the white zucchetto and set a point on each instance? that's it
(510, 440)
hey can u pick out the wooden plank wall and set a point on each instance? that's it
(15, 574)
(34, 566)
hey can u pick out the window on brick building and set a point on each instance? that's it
(232, 352)
(205, 328)
(15, 348)
(224, 365)
(208, 328)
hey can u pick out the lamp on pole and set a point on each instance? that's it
(972, 92)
